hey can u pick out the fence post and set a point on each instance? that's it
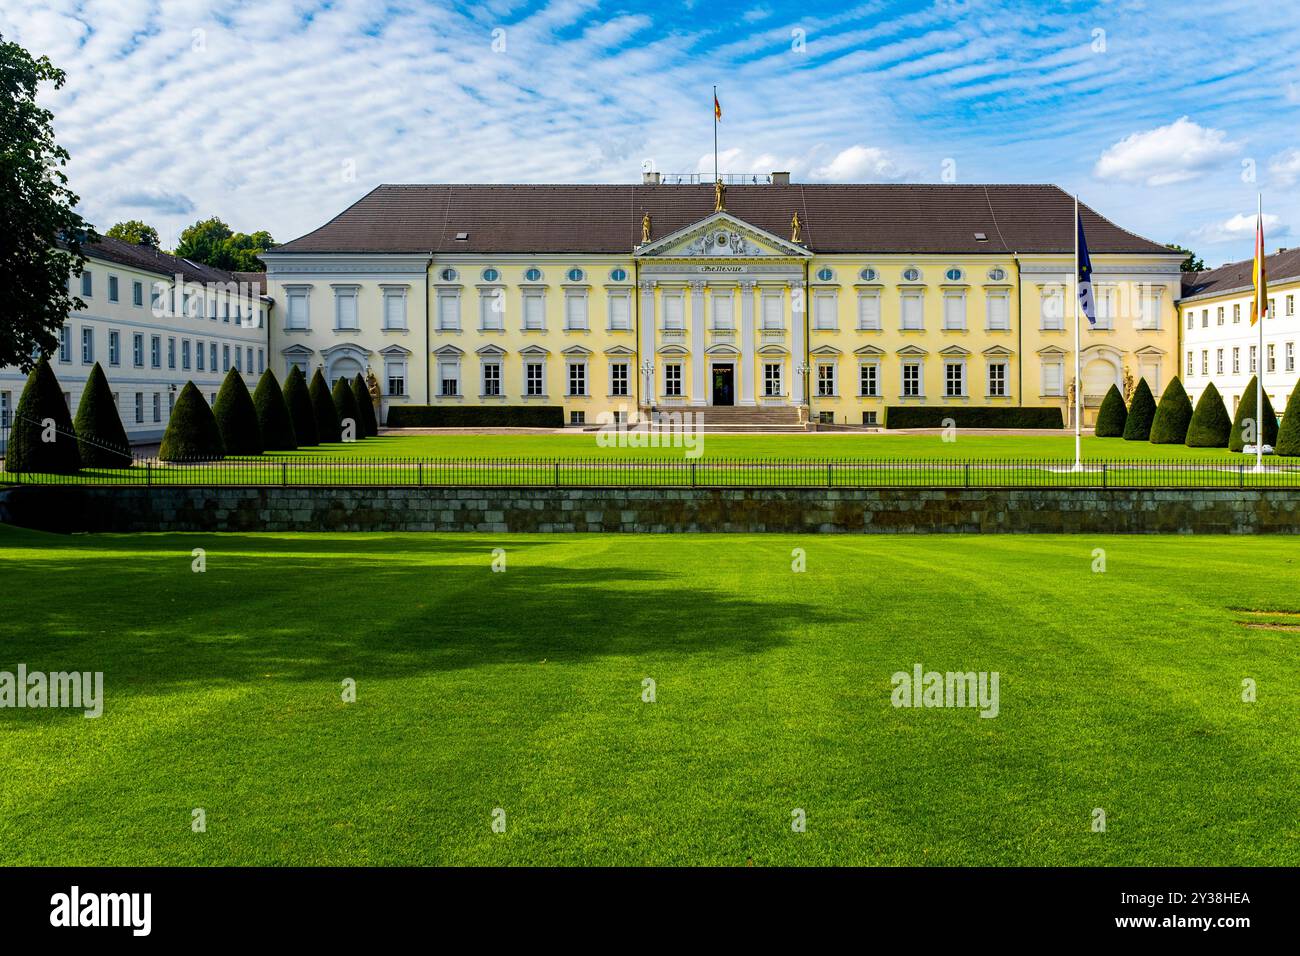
(557, 473)
(966, 469)
(148, 473)
(1241, 475)
(692, 474)
(830, 478)
(284, 473)
(1103, 474)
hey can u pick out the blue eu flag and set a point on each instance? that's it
(1085, 275)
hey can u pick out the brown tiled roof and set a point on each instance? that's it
(865, 218)
(154, 260)
(255, 279)
(1284, 264)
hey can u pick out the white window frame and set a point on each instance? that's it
(993, 302)
(577, 317)
(672, 380)
(869, 311)
(1057, 388)
(394, 368)
(1052, 308)
(449, 299)
(530, 300)
(295, 318)
(530, 363)
(445, 363)
(674, 302)
(620, 379)
(495, 378)
(616, 300)
(492, 309)
(826, 301)
(722, 310)
(960, 365)
(577, 369)
(955, 323)
(908, 300)
(1002, 367)
(874, 366)
(767, 323)
(398, 295)
(773, 379)
(827, 385)
(909, 365)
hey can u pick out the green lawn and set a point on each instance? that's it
(522, 690)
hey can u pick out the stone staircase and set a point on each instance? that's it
(736, 418)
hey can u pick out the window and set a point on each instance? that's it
(619, 378)
(112, 288)
(448, 377)
(534, 379)
(825, 274)
(491, 379)
(1189, 363)
(773, 311)
(1191, 318)
(448, 275)
(6, 406)
(1053, 378)
(620, 311)
(912, 274)
(825, 380)
(157, 406)
(575, 275)
(449, 311)
(953, 275)
(723, 311)
(171, 352)
(345, 309)
(997, 274)
(155, 298)
(674, 311)
(225, 358)
(912, 311)
(618, 275)
(868, 274)
(1053, 307)
(1151, 308)
(1218, 361)
(492, 310)
(1272, 309)
(1236, 313)
(1236, 361)
(1103, 298)
(1290, 305)
(869, 311)
(772, 379)
(248, 360)
(1205, 318)
(1271, 358)
(575, 311)
(298, 310)
(225, 311)
(997, 379)
(199, 351)
(137, 293)
(824, 311)
(139, 407)
(261, 361)
(1205, 361)
(869, 380)
(672, 380)
(65, 345)
(577, 378)
(137, 350)
(87, 345)
(395, 374)
(954, 379)
(999, 312)
(86, 283)
(185, 354)
(534, 311)
(114, 347)
(954, 312)
(239, 360)
(171, 404)
(491, 275)
(1290, 356)
(1253, 357)
(394, 308)
(533, 275)
(155, 351)
(577, 418)
(911, 379)
(1219, 315)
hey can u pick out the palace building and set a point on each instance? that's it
(801, 302)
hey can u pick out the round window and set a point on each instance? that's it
(825, 274)
(575, 275)
(448, 275)
(997, 274)
(491, 275)
(953, 275)
(619, 275)
(912, 274)
(868, 274)
(533, 275)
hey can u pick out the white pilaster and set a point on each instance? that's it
(698, 361)
(746, 370)
(798, 346)
(648, 323)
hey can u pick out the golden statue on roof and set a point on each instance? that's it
(645, 228)
(795, 226)
(719, 196)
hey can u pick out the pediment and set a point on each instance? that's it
(722, 236)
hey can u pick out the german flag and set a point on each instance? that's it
(1260, 304)
(717, 108)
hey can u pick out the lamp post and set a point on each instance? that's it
(648, 370)
(804, 369)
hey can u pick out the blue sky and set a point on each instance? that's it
(276, 114)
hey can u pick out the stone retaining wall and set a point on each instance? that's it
(824, 511)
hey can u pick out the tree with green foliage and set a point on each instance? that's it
(1288, 435)
(42, 438)
(101, 437)
(300, 408)
(365, 406)
(1193, 262)
(1112, 415)
(273, 418)
(41, 235)
(1173, 415)
(237, 417)
(135, 232)
(212, 242)
(1266, 427)
(192, 433)
(1211, 425)
(324, 410)
(346, 403)
(1141, 410)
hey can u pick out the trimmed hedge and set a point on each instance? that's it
(1112, 415)
(365, 406)
(932, 416)
(324, 410)
(42, 400)
(475, 416)
(237, 417)
(1140, 413)
(1211, 424)
(300, 408)
(101, 437)
(192, 432)
(273, 417)
(1246, 410)
(346, 403)
(1288, 436)
(1173, 415)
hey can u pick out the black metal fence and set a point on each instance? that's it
(611, 472)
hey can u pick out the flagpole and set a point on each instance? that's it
(1078, 379)
(715, 134)
(1261, 310)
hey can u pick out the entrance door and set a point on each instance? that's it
(724, 392)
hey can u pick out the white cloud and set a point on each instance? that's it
(859, 164)
(1169, 154)
(754, 14)
(1285, 167)
(1240, 226)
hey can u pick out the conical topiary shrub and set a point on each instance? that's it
(1112, 415)
(273, 418)
(1246, 412)
(1210, 425)
(1288, 436)
(323, 409)
(192, 433)
(237, 417)
(350, 423)
(300, 408)
(101, 437)
(42, 438)
(365, 406)
(1140, 413)
(1173, 415)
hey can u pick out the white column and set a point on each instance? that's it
(698, 320)
(798, 350)
(648, 322)
(746, 370)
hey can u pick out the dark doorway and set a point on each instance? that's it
(724, 392)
